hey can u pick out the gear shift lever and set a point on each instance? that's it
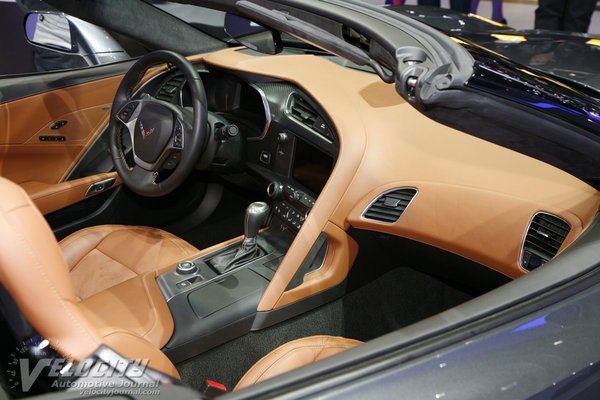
(256, 214)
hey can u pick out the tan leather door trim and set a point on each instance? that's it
(85, 107)
(51, 197)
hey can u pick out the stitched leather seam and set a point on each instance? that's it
(16, 208)
(95, 247)
(66, 242)
(153, 307)
(115, 260)
(51, 285)
(36, 196)
(322, 346)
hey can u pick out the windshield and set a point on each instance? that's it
(205, 19)
(212, 21)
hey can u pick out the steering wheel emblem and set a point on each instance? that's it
(144, 133)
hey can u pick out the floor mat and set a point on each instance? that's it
(395, 299)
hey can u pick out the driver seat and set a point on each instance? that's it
(35, 274)
(103, 256)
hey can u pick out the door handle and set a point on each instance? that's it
(100, 186)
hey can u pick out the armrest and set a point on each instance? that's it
(50, 197)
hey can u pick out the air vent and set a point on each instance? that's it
(389, 206)
(301, 110)
(168, 91)
(545, 235)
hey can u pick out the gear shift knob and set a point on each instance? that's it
(256, 214)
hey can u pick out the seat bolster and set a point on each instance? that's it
(77, 245)
(136, 348)
(103, 256)
(295, 354)
(136, 305)
(33, 271)
(135, 247)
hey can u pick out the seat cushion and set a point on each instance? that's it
(295, 354)
(102, 256)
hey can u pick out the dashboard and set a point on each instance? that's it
(336, 146)
(289, 142)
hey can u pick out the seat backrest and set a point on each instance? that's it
(33, 271)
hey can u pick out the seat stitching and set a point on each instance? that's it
(115, 228)
(314, 346)
(114, 259)
(153, 307)
(16, 208)
(69, 240)
(51, 285)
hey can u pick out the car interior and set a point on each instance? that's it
(254, 202)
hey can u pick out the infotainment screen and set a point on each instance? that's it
(311, 166)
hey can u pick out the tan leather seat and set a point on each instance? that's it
(34, 272)
(295, 354)
(103, 256)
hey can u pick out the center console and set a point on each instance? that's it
(214, 298)
(209, 307)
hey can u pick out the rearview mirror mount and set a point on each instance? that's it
(253, 35)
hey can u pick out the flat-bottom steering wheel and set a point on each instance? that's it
(166, 139)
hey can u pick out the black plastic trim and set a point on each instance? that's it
(264, 319)
(62, 231)
(308, 261)
(14, 87)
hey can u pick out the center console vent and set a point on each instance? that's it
(169, 88)
(389, 206)
(545, 235)
(301, 110)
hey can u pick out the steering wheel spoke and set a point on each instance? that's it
(143, 176)
(164, 136)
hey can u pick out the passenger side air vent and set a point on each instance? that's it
(389, 206)
(544, 237)
(169, 89)
(300, 109)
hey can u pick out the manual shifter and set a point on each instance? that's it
(256, 214)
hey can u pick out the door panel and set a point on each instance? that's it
(24, 157)
(29, 155)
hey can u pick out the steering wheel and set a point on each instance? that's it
(166, 139)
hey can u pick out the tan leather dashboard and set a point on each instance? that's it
(474, 198)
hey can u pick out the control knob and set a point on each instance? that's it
(281, 138)
(226, 132)
(274, 189)
(186, 268)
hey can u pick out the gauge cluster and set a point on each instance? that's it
(239, 102)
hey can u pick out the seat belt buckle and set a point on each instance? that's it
(213, 389)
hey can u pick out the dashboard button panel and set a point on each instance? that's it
(291, 216)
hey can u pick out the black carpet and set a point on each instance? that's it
(395, 299)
